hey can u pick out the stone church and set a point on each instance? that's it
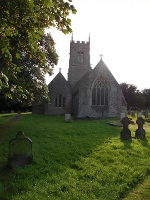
(87, 92)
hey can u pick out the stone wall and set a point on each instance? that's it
(59, 86)
(84, 87)
(77, 67)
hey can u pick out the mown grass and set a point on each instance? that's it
(6, 117)
(141, 191)
(75, 161)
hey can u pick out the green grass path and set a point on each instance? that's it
(7, 124)
(76, 161)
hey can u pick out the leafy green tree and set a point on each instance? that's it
(22, 28)
(30, 84)
(134, 98)
(146, 95)
(129, 92)
(139, 100)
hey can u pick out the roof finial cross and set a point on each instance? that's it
(101, 55)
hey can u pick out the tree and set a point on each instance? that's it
(139, 100)
(21, 31)
(129, 92)
(146, 95)
(133, 96)
(30, 84)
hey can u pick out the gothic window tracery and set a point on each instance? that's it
(100, 92)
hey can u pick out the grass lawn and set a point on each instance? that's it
(82, 160)
(6, 117)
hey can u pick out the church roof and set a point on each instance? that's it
(59, 79)
(102, 66)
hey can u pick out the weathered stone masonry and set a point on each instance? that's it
(88, 92)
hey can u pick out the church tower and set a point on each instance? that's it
(79, 62)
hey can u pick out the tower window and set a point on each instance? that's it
(80, 57)
(100, 94)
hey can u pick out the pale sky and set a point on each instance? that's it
(119, 29)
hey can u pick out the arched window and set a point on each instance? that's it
(100, 92)
(60, 101)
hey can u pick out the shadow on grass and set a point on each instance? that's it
(127, 143)
(57, 146)
(144, 142)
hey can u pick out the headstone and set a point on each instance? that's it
(12, 111)
(67, 117)
(125, 134)
(122, 115)
(140, 132)
(133, 113)
(20, 151)
(139, 114)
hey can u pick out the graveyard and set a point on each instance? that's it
(81, 159)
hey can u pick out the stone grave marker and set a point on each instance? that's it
(67, 117)
(20, 151)
(139, 114)
(133, 113)
(140, 132)
(122, 115)
(125, 134)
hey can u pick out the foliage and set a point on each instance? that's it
(88, 162)
(139, 100)
(30, 83)
(146, 96)
(129, 93)
(21, 28)
(133, 96)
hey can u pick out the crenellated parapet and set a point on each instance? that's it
(79, 42)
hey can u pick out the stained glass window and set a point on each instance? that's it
(100, 92)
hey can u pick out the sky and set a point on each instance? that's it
(119, 30)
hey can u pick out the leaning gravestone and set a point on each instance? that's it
(140, 132)
(125, 134)
(67, 117)
(122, 115)
(20, 151)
